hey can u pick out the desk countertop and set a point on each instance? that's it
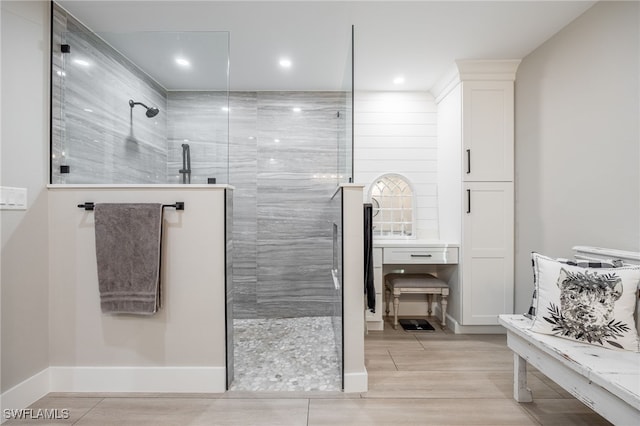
(413, 243)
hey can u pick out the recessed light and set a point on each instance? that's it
(183, 62)
(81, 62)
(88, 110)
(285, 63)
(225, 108)
(398, 80)
(296, 109)
(276, 140)
(185, 140)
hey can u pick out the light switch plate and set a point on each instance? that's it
(13, 198)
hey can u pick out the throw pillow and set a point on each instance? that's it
(609, 263)
(588, 305)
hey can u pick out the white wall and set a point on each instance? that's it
(395, 132)
(179, 349)
(187, 332)
(24, 163)
(355, 373)
(577, 140)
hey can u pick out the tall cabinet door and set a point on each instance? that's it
(487, 131)
(488, 238)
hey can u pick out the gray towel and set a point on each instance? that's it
(128, 247)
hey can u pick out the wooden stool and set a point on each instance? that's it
(415, 284)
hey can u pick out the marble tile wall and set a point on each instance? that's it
(199, 119)
(287, 216)
(243, 175)
(96, 132)
(336, 314)
(229, 285)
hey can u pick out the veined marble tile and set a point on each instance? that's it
(99, 135)
(284, 165)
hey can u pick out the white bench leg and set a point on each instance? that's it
(387, 298)
(443, 306)
(396, 307)
(521, 392)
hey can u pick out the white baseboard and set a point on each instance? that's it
(375, 325)
(26, 393)
(138, 379)
(452, 324)
(113, 379)
(356, 382)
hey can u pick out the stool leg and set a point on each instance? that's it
(443, 305)
(429, 304)
(387, 298)
(396, 306)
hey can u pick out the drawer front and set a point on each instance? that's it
(420, 255)
(377, 256)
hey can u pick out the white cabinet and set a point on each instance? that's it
(487, 267)
(487, 130)
(475, 126)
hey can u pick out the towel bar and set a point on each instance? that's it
(89, 206)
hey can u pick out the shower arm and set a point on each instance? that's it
(132, 104)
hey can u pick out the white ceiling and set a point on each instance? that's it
(417, 39)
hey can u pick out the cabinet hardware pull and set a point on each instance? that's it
(420, 255)
(468, 161)
(468, 201)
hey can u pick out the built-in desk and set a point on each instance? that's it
(410, 256)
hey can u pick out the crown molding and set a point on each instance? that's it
(476, 70)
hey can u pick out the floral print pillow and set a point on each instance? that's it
(592, 306)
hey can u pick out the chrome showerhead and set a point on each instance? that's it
(151, 111)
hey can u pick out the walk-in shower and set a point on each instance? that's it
(287, 307)
(284, 151)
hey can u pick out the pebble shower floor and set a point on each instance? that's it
(286, 354)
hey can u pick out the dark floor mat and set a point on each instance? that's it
(416, 325)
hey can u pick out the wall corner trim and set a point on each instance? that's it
(446, 84)
(356, 382)
(25, 393)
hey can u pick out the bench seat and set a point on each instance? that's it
(607, 381)
(397, 284)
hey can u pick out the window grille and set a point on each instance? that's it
(393, 207)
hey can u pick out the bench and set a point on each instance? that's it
(606, 380)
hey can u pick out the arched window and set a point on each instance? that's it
(393, 207)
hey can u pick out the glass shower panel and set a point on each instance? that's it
(139, 107)
(345, 124)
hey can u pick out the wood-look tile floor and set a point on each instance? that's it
(415, 378)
